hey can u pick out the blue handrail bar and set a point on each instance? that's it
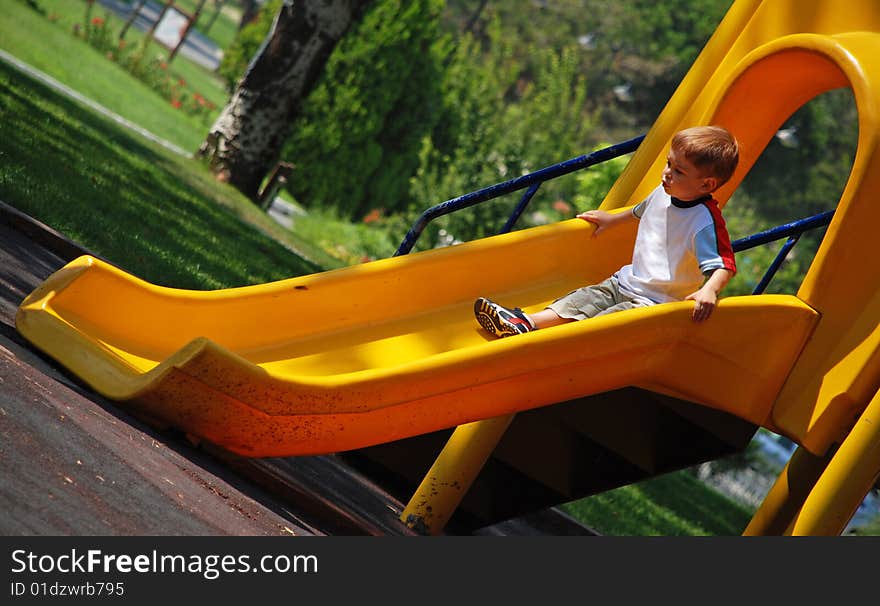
(531, 181)
(792, 231)
(795, 228)
(520, 207)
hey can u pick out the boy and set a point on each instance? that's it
(682, 249)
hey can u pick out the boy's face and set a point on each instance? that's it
(683, 180)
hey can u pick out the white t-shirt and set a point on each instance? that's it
(678, 243)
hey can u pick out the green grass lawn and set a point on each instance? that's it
(158, 215)
(672, 504)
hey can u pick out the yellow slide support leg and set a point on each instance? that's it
(787, 495)
(849, 476)
(452, 474)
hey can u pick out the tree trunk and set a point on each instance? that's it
(246, 139)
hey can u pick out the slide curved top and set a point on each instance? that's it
(765, 61)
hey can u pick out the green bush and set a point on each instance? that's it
(502, 118)
(356, 140)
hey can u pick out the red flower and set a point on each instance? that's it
(97, 21)
(373, 216)
(562, 206)
(175, 103)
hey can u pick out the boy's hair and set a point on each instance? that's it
(710, 148)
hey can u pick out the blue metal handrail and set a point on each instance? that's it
(792, 230)
(532, 181)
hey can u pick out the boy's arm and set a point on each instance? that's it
(603, 219)
(706, 298)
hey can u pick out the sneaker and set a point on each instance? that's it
(499, 320)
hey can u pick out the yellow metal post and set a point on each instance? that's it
(452, 474)
(849, 476)
(787, 495)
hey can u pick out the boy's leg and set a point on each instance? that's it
(547, 318)
(623, 305)
(585, 302)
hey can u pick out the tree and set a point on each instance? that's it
(246, 139)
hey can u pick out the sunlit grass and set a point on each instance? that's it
(158, 215)
(673, 504)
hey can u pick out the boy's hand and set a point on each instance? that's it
(704, 300)
(600, 218)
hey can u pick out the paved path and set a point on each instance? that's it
(197, 47)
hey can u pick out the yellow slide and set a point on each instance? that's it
(385, 350)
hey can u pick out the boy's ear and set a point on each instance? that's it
(710, 184)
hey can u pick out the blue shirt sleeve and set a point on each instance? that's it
(706, 249)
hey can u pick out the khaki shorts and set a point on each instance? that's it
(595, 300)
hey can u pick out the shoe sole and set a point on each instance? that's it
(489, 319)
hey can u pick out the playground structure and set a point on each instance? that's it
(380, 353)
